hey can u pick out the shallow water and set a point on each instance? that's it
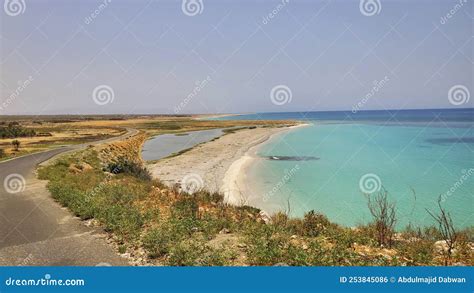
(164, 145)
(414, 162)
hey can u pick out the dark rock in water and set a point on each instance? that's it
(291, 158)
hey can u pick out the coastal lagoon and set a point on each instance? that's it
(164, 145)
(416, 155)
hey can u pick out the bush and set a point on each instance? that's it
(185, 207)
(126, 221)
(314, 224)
(210, 225)
(128, 167)
(265, 247)
(195, 253)
(463, 253)
(14, 130)
(157, 242)
(208, 197)
(418, 252)
(384, 217)
(178, 226)
(447, 230)
(280, 219)
(16, 144)
(2, 153)
(72, 198)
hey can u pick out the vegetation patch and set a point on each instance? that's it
(14, 130)
(180, 229)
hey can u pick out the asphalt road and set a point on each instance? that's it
(37, 231)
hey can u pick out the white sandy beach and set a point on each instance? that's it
(234, 184)
(218, 165)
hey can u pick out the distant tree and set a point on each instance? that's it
(384, 215)
(446, 229)
(16, 144)
(14, 130)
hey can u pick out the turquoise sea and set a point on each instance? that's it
(332, 164)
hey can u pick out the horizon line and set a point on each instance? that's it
(229, 113)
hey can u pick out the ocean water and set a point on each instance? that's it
(416, 156)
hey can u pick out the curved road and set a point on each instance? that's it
(35, 230)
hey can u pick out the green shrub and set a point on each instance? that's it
(195, 253)
(464, 253)
(157, 242)
(431, 233)
(72, 198)
(346, 237)
(314, 223)
(210, 225)
(126, 221)
(280, 219)
(16, 144)
(181, 237)
(418, 252)
(14, 130)
(265, 247)
(208, 197)
(128, 167)
(185, 207)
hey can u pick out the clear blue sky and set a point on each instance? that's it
(152, 54)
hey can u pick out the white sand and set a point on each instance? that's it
(218, 165)
(235, 181)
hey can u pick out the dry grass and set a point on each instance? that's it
(66, 130)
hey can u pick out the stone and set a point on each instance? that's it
(224, 231)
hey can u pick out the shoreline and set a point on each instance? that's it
(219, 165)
(235, 183)
(215, 116)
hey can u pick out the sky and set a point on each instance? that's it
(229, 56)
